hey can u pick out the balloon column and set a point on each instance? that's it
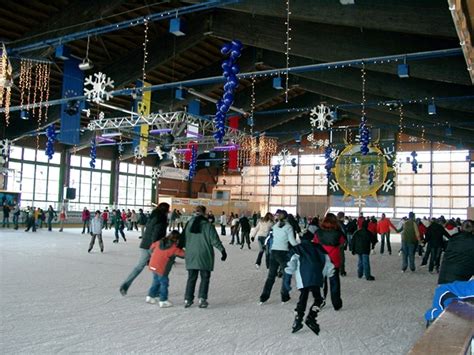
(193, 163)
(275, 175)
(364, 136)
(93, 153)
(51, 135)
(229, 70)
(329, 160)
(414, 162)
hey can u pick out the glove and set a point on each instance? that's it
(252, 239)
(224, 255)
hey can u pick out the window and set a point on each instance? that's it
(135, 188)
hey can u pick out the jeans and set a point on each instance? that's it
(435, 258)
(142, 262)
(6, 220)
(335, 284)
(303, 300)
(30, 223)
(191, 284)
(427, 254)
(363, 268)
(99, 238)
(117, 230)
(349, 241)
(84, 225)
(261, 245)
(383, 237)
(408, 251)
(50, 222)
(245, 239)
(343, 260)
(159, 287)
(234, 231)
(278, 259)
(15, 221)
(105, 225)
(222, 229)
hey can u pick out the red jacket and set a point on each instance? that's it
(422, 230)
(105, 216)
(331, 241)
(86, 215)
(360, 220)
(372, 228)
(161, 260)
(383, 226)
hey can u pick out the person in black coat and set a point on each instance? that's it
(362, 243)
(434, 238)
(245, 229)
(154, 231)
(458, 261)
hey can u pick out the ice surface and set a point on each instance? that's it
(57, 298)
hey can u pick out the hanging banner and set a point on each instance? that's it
(143, 107)
(73, 85)
(233, 154)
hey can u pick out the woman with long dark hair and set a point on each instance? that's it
(331, 238)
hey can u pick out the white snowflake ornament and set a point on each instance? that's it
(91, 126)
(98, 92)
(159, 152)
(283, 157)
(321, 117)
(5, 146)
(155, 173)
(138, 153)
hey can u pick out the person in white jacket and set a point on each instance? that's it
(282, 235)
(261, 232)
(223, 222)
(96, 231)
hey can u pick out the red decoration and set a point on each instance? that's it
(233, 154)
(188, 154)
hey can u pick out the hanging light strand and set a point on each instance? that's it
(423, 137)
(252, 105)
(362, 75)
(145, 51)
(400, 127)
(288, 49)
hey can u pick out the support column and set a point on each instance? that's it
(470, 170)
(64, 173)
(155, 193)
(298, 182)
(114, 183)
(431, 179)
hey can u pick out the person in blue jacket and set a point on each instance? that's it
(310, 264)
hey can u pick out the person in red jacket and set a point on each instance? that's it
(86, 217)
(162, 258)
(383, 228)
(372, 228)
(422, 230)
(331, 239)
(360, 220)
(105, 218)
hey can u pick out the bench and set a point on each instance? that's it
(451, 333)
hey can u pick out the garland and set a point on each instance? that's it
(364, 136)
(93, 153)
(275, 175)
(329, 160)
(414, 162)
(371, 174)
(193, 163)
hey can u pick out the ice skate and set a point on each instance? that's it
(311, 321)
(257, 266)
(297, 324)
(123, 291)
(166, 304)
(203, 303)
(188, 304)
(150, 300)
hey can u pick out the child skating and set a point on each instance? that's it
(96, 232)
(164, 252)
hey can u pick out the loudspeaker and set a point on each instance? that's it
(70, 193)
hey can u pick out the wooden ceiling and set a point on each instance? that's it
(322, 31)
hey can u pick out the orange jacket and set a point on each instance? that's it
(372, 228)
(383, 226)
(161, 260)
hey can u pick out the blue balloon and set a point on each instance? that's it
(234, 54)
(226, 73)
(225, 49)
(236, 44)
(235, 69)
(226, 64)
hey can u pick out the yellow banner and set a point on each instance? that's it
(143, 107)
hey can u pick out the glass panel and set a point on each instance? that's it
(29, 154)
(15, 152)
(53, 174)
(107, 165)
(132, 169)
(123, 167)
(75, 160)
(41, 156)
(106, 179)
(85, 177)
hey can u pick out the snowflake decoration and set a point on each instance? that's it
(101, 116)
(155, 173)
(359, 201)
(388, 153)
(159, 152)
(412, 139)
(334, 154)
(310, 137)
(5, 146)
(283, 157)
(138, 153)
(91, 126)
(320, 117)
(334, 185)
(100, 82)
(388, 185)
(88, 113)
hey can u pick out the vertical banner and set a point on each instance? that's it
(73, 85)
(142, 106)
(233, 154)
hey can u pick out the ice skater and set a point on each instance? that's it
(362, 242)
(282, 236)
(310, 263)
(162, 258)
(261, 233)
(119, 225)
(155, 230)
(96, 231)
(200, 239)
(245, 228)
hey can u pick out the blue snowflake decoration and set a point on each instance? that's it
(275, 175)
(51, 135)
(93, 153)
(371, 174)
(329, 160)
(414, 162)
(364, 133)
(229, 70)
(193, 163)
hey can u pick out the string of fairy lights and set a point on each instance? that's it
(145, 50)
(288, 49)
(6, 71)
(363, 75)
(400, 128)
(252, 105)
